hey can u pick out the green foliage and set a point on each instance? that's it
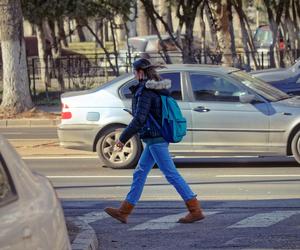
(37, 10)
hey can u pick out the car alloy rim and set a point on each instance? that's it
(298, 145)
(113, 155)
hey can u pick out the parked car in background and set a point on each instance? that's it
(263, 37)
(30, 213)
(143, 47)
(228, 112)
(151, 47)
(285, 79)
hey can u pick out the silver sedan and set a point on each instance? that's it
(229, 113)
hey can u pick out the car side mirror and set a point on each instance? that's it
(247, 98)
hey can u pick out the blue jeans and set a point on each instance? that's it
(157, 153)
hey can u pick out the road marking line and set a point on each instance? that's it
(11, 133)
(96, 176)
(258, 175)
(33, 139)
(165, 222)
(58, 157)
(264, 219)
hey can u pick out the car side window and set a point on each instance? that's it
(175, 90)
(7, 189)
(214, 88)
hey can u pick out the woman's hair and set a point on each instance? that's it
(151, 74)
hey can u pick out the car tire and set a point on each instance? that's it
(126, 158)
(296, 146)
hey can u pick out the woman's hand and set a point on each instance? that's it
(119, 145)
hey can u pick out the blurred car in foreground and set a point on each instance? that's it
(285, 79)
(30, 213)
(228, 112)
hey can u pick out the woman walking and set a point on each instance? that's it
(146, 100)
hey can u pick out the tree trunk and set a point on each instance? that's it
(61, 31)
(150, 9)
(43, 57)
(80, 32)
(113, 32)
(131, 24)
(211, 26)
(56, 53)
(247, 42)
(186, 12)
(220, 13)
(164, 9)
(119, 31)
(231, 31)
(274, 15)
(16, 94)
(202, 31)
(296, 21)
(142, 22)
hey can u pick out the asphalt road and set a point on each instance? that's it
(84, 178)
(249, 203)
(234, 224)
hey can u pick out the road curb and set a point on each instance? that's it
(86, 239)
(12, 123)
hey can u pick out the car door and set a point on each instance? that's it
(221, 124)
(177, 91)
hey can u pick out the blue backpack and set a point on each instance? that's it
(173, 127)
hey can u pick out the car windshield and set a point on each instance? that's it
(264, 89)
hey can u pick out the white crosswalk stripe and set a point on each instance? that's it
(165, 222)
(264, 219)
(93, 216)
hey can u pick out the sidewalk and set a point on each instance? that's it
(51, 120)
(47, 147)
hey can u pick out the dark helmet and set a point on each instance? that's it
(142, 63)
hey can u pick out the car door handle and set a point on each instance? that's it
(201, 109)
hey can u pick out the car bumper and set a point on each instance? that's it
(77, 136)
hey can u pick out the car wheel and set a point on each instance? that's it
(296, 147)
(126, 158)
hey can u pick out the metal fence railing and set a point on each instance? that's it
(85, 71)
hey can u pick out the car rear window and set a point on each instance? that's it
(175, 90)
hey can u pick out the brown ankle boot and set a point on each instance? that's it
(121, 213)
(195, 212)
